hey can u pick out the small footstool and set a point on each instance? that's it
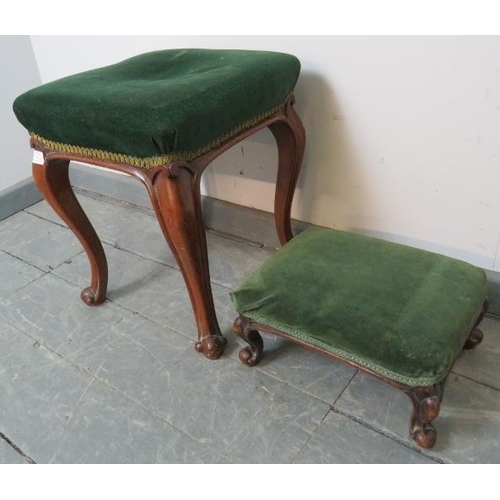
(396, 312)
(163, 117)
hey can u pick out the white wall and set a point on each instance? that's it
(19, 73)
(403, 133)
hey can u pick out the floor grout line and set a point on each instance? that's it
(288, 384)
(484, 384)
(113, 201)
(121, 249)
(160, 417)
(344, 389)
(150, 211)
(114, 245)
(133, 311)
(20, 259)
(16, 448)
(310, 436)
(94, 377)
(393, 437)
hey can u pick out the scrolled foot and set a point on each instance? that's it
(253, 353)
(475, 338)
(249, 356)
(424, 435)
(426, 403)
(212, 346)
(91, 298)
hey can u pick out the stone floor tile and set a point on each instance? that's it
(156, 291)
(50, 311)
(39, 392)
(119, 225)
(341, 440)
(376, 403)
(9, 455)
(230, 260)
(57, 413)
(110, 428)
(240, 413)
(482, 363)
(37, 241)
(308, 371)
(127, 273)
(15, 274)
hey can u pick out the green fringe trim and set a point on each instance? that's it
(156, 161)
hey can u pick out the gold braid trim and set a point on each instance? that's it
(156, 161)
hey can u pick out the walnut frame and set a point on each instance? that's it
(426, 400)
(174, 191)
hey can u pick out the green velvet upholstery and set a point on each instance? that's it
(401, 312)
(159, 106)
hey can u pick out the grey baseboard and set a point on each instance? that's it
(18, 197)
(109, 184)
(234, 220)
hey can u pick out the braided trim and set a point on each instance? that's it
(156, 161)
(408, 380)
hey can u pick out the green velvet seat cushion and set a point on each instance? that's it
(159, 106)
(401, 312)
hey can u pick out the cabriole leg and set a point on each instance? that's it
(52, 179)
(291, 140)
(177, 203)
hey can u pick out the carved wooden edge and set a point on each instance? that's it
(426, 400)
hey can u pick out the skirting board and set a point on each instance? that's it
(17, 197)
(234, 220)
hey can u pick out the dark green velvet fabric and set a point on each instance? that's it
(403, 313)
(159, 102)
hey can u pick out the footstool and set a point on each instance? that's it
(163, 117)
(395, 312)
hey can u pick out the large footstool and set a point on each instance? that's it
(396, 312)
(163, 117)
